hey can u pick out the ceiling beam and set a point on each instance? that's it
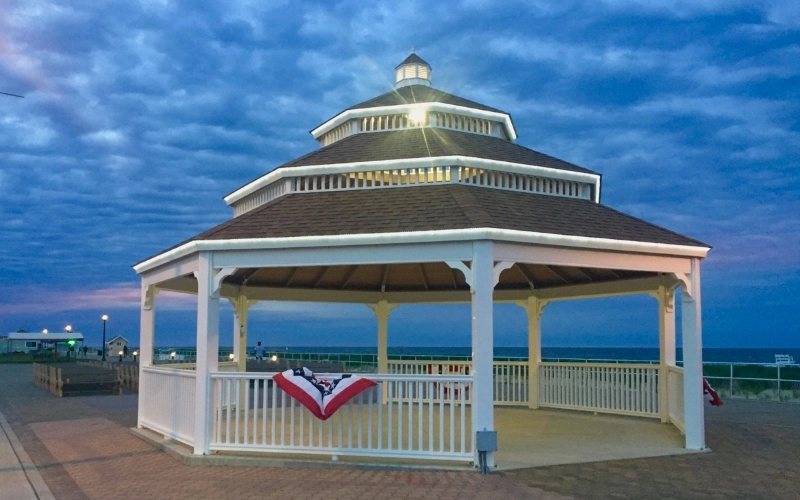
(291, 277)
(321, 275)
(385, 278)
(348, 276)
(424, 278)
(558, 275)
(525, 275)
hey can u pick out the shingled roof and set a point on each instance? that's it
(414, 94)
(437, 207)
(425, 143)
(413, 58)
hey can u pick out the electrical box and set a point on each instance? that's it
(486, 441)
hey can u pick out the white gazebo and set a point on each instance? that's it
(419, 196)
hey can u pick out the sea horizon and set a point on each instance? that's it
(710, 354)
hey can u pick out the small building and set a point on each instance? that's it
(28, 342)
(115, 345)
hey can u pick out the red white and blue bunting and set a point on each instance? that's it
(322, 396)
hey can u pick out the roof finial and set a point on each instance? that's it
(412, 50)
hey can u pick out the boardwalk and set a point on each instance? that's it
(82, 448)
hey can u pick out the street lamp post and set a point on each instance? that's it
(68, 329)
(104, 318)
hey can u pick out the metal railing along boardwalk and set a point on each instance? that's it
(608, 388)
(424, 417)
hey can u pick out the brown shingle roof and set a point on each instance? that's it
(425, 143)
(437, 207)
(412, 94)
(413, 58)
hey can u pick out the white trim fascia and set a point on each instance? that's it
(435, 161)
(449, 235)
(352, 114)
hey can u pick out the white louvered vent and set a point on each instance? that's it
(399, 178)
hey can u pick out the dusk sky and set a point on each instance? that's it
(138, 117)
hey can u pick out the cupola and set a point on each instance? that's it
(413, 71)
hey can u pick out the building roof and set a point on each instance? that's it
(415, 94)
(437, 207)
(115, 337)
(45, 337)
(413, 58)
(425, 143)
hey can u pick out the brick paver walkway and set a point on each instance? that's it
(83, 450)
(755, 454)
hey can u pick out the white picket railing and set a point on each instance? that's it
(511, 386)
(609, 388)
(510, 377)
(425, 417)
(675, 397)
(223, 366)
(167, 403)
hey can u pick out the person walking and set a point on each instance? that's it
(259, 352)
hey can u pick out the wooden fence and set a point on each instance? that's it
(75, 378)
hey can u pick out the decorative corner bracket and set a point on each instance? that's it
(533, 305)
(466, 271)
(149, 296)
(498, 268)
(389, 307)
(665, 294)
(687, 282)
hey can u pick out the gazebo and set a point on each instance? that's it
(419, 196)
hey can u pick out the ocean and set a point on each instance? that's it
(732, 355)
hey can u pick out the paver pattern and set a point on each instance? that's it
(755, 454)
(83, 450)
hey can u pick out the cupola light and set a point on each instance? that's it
(413, 71)
(417, 115)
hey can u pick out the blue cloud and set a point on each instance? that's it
(139, 117)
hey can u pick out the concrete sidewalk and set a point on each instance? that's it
(19, 479)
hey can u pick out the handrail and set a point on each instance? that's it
(372, 376)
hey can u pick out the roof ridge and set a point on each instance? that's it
(466, 201)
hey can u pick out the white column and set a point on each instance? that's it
(147, 329)
(482, 287)
(666, 344)
(692, 332)
(534, 308)
(207, 350)
(382, 311)
(241, 306)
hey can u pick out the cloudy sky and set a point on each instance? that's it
(138, 117)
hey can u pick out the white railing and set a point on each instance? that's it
(168, 397)
(425, 417)
(511, 387)
(510, 379)
(599, 387)
(225, 366)
(405, 177)
(675, 397)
